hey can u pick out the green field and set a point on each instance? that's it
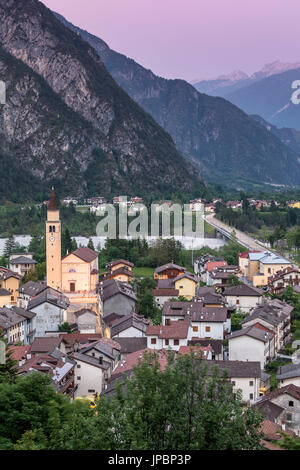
(143, 272)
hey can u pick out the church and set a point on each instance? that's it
(77, 274)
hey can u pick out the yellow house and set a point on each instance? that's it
(186, 285)
(120, 270)
(80, 271)
(10, 281)
(5, 297)
(168, 271)
(266, 266)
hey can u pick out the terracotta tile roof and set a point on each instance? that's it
(203, 350)
(211, 265)
(176, 330)
(71, 338)
(86, 254)
(19, 352)
(45, 344)
(165, 267)
(165, 292)
(290, 389)
(135, 358)
(121, 261)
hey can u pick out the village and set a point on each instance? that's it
(106, 338)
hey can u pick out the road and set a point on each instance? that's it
(242, 238)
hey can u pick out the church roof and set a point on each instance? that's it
(86, 254)
(52, 206)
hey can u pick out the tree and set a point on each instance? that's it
(91, 244)
(10, 246)
(181, 408)
(65, 328)
(8, 370)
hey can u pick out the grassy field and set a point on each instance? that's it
(143, 272)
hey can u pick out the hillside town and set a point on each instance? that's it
(106, 338)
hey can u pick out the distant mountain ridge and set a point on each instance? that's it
(226, 144)
(266, 93)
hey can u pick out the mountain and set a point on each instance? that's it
(224, 85)
(227, 145)
(289, 137)
(67, 121)
(271, 99)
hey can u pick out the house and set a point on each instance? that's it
(168, 271)
(272, 316)
(21, 263)
(244, 262)
(244, 376)
(273, 435)
(282, 279)
(104, 348)
(5, 297)
(80, 271)
(184, 286)
(86, 320)
(210, 298)
(131, 345)
(28, 291)
(10, 281)
(209, 267)
(116, 297)
(283, 407)
(243, 297)
(120, 270)
(129, 326)
(29, 324)
(205, 322)
(263, 265)
(12, 326)
(164, 295)
(288, 374)
(44, 345)
(174, 335)
(50, 310)
(90, 376)
(58, 366)
(71, 342)
(251, 344)
(205, 352)
(216, 346)
(220, 276)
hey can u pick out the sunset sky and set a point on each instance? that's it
(192, 38)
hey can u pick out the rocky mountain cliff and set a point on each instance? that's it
(67, 121)
(223, 141)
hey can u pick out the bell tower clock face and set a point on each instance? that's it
(52, 239)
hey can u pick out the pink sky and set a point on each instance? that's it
(192, 38)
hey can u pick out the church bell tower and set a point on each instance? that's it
(53, 244)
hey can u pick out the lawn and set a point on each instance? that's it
(143, 272)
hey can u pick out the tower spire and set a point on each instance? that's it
(52, 206)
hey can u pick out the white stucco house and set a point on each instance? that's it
(251, 344)
(243, 297)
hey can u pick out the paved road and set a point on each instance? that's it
(242, 238)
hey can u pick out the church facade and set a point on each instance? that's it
(77, 273)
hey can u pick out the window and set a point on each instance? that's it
(91, 391)
(237, 301)
(195, 328)
(167, 342)
(251, 383)
(176, 342)
(251, 396)
(207, 329)
(167, 322)
(289, 416)
(269, 270)
(78, 378)
(153, 340)
(78, 366)
(233, 383)
(291, 403)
